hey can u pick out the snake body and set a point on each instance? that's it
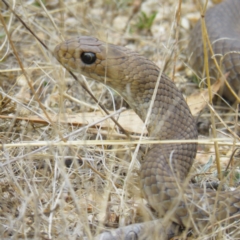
(223, 27)
(165, 167)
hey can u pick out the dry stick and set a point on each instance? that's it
(44, 122)
(178, 16)
(51, 19)
(69, 135)
(224, 124)
(225, 82)
(206, 67)
(223, 221)
(84, 87)
(73, 75)
(234, 141)
(21, 66)
(231, 160)
(35, 95)
(206, 41)
(58, 140)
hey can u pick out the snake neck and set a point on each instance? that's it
(169, 117)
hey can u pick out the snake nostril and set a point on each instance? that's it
(88, 57)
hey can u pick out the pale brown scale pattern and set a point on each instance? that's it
(222, 22)
(165, 167)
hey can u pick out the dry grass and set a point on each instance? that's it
(58, 191)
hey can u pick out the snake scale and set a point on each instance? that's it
(165, 167)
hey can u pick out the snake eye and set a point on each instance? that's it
(88, 57)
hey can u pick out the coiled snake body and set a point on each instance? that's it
(165, 167)
(223, 26)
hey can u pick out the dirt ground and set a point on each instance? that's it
(61, 176)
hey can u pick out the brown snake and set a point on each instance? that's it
(165, 167)
(223, 26)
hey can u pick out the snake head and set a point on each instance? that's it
(93, 58)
